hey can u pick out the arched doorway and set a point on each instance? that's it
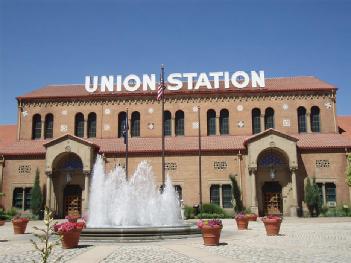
(273, 182)
(68, 184)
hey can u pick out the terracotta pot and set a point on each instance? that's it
(2, 222)
(19, 227)
(70, 239)
(211, 235)
(272, 226)
(252, 217)
(242, 223)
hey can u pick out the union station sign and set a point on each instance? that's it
(175, 81)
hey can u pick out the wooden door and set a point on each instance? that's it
(73, 200)
(272, 198)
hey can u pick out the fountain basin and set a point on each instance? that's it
(125, 234)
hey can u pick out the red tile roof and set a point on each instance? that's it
(183, 144)
(7, 135)
(344, 123)
(287, 84)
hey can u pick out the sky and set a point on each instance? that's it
(60, 42)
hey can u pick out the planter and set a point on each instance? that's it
(242, 223)
(72, 220)
(252, 217)
(211, 235)
(272, 226)
(2, 222)
(70, 239)
(19, 227)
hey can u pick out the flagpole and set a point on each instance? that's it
(127, 130)
(200, 164)
(163, 123)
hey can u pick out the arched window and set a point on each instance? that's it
(49, 126)
(167, 123)
(269, 119)
(179, 123)
(92, 125)
(122, 119)
(301, 119)
(256, 121)
(79, 125)
(224, 122)
(36, 127)
(315, 119)
(135, 131)
(211, 122)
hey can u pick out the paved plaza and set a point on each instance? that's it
(301, 240)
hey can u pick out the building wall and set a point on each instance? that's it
(107, 113)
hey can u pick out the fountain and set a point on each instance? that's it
(134, 209)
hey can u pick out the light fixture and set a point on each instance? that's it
(272, 173)
(68, 178)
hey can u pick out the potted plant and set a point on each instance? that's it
(242, 221)
(272, 224)
(211, 231)
(72, 218)
(19, 224)
(70, 233)
(252, 217)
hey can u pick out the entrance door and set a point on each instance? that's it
(272, 198)
(72, 200)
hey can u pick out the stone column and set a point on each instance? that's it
(254, 207)
(85, 128)
(262, 123)
(294, 206)
(220, 196)
(42, 128)
(217, 125)
(2, 162)
(48, 189)
(308, 122)
(324, 195)
(23, 197)
(85, 203)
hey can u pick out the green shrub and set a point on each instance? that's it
(211, 209)
(189, 212)
(37, 196)
(341, 211)
(210, 216)
(236, 196)
(348, 170)
(312, 197)
(12, 212)
(3, 215)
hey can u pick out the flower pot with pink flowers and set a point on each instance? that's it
(242, 221)
(272, 224)
(211, 231)
(19, 224)
(72, 218)
(70, 233)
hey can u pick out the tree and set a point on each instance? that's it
(37, 196)
(312, 197)
(348, 171)
(236, 193)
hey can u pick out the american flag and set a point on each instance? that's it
(160, 91)
(125, 130)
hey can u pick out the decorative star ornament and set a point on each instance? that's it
(241, 124)
(328, 105)
(25, 113)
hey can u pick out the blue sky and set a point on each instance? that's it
(56, 42)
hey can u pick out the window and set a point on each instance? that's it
(224, 122)
(256, 121)
(17, 200)
(27, 198)
(178, 189)
(79, 125)
(211, 122)
(269, 119)
(135, 131)
(214, 194)
(301, 119)
(330, 192)
(92, 125)
(315, 119)
(167, 123)
(122, 119)
(49, 126)
(227, 196)
(36, 127)
(179, 123)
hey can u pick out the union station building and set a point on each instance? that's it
(271, 139)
